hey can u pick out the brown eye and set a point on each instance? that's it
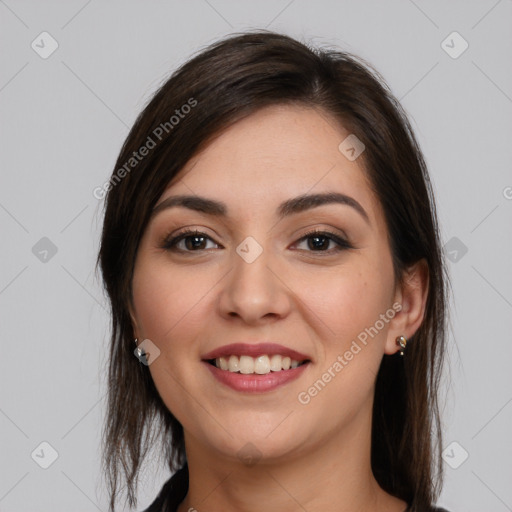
(188, 241)
(320, 241)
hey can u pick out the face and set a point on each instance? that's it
(312, 277)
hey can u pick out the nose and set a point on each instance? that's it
(254, 291)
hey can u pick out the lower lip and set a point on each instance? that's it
(254, 383)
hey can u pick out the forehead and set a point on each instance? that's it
(274, 154)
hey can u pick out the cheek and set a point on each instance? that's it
(346, 301)
(170, 311)
(166, 300)
(347, 305)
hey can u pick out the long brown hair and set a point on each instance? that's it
(230, 80)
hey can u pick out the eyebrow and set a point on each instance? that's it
(289, 207)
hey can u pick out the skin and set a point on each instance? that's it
(314, 457)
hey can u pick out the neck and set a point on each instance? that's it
(334, 474)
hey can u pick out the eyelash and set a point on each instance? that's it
(169, 243)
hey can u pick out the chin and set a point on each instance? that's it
(255, 440)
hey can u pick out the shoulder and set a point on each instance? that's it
(172, 493)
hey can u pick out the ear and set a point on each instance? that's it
(411, 294)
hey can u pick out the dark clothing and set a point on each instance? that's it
(175, 489)
(172, 494)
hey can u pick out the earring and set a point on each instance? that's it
(402, 343)
(138, 350)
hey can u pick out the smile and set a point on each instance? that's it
(253, 382)
(261, 365)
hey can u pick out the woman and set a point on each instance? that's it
(272, 257)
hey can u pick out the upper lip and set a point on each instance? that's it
(254, 350)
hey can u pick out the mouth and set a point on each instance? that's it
(261, 365)
(256, 368)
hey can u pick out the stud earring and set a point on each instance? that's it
(402, 343)
(138, 350)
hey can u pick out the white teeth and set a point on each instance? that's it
(233, 364)
(275, 363)
(260, 365)
(246, 364)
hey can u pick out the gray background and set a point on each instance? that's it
(63, 120)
